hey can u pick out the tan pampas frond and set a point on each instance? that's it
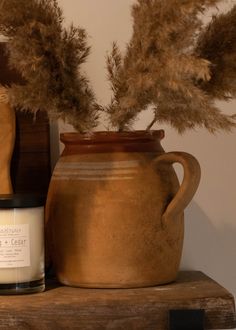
(48, 57)
(161, 68)
(217, 44)
(172, 63)
(114, 63)
(4, 97)
(183, 113)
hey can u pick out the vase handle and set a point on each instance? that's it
(192, 175)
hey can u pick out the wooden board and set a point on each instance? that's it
(31, 170)
(61, 307)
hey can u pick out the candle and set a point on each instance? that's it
(21, 244)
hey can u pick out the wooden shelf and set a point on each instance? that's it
(61, 307)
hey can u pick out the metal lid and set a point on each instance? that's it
(21, 200)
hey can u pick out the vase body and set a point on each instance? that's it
(7, 141)
(108, 211)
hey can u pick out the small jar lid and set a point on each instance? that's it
(21, 200)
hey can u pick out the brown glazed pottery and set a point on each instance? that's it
(7, 141)
(115, 210)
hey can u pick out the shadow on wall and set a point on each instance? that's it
(209, 248)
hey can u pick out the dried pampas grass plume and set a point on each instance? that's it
(172, 63)
(49, 58)
(163, 68)
(217, 44)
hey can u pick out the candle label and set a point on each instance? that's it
(14, 246)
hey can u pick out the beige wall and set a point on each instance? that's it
(210, 237)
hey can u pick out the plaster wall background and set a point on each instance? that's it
(210, 232)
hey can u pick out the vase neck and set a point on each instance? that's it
(137, 141)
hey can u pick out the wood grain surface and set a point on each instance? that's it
(61, 307)
(30, 170)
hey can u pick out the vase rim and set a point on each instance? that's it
(111, 136)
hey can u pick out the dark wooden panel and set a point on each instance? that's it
(63, 307)
(31, 159)
(32, 135)
(31, 176)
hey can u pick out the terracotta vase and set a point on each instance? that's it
(7, 141)
(115, 210)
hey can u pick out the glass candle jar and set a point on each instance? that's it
(21, 244)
